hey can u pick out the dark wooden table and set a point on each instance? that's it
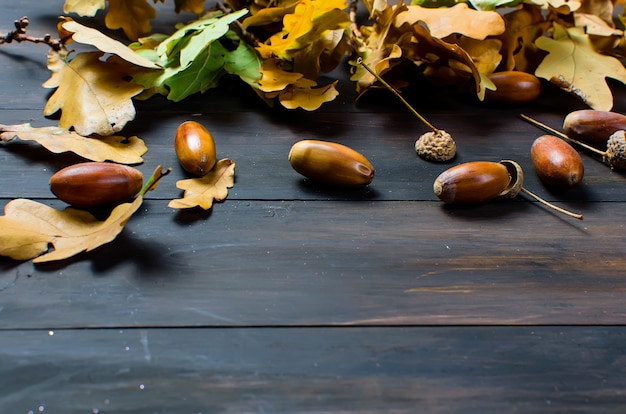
(291, 297)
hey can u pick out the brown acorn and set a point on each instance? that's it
(557, 163)
(479, 182)
(195, 148)
(593, 127)
(513, 88)
(474, 182)
(96, 184)
(330, 163)
(615, 154)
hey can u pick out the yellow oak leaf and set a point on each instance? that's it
(273, 78)
(202, 191)
(132, 16)
(93, 95)
(87, 35)
(444, 21)
(308, 22)
(192, 6)
(28, 228)
(84, 7)
(574, 65)
(304, 95)
(58, 140)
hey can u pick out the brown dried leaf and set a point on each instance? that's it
(202, 191)
(132, 16)
(58, 140)
(28, 228)
(94, 95)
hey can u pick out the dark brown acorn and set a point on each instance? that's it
(513, 88)
(96, 184)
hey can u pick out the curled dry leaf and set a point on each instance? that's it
(202, 191)
(58, 140)
(28, 228)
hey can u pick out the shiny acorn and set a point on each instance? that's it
(615, 154)
(474, 182)
(556, 162)
(478, 182)
(593, 127)
(195, 148)
(330, 163)
(96, 184)
(513, 88)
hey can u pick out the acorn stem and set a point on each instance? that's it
(395, 92)
(560, 134)
(154, 179)
(552, 206)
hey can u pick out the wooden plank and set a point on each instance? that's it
(339, 263)
(260, 146)
(371, 370)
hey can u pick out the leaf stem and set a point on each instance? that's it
(154, 179)
(395, 92)
(560, 134)
(552, 206)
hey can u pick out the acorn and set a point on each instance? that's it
(195, 148)
(615, 154)
(478, 182)
(330, 163)
(593, 127)
(474, 182)
(513, 87)
(96, 184)
(557, 163)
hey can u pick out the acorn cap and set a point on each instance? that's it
(517, 179)
(436, 146)
(616, 150)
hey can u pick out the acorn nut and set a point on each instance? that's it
(330, 163)
(96, 184)
(557, 163)
(593, 127)
(513, 87)
(474, 182)
(195, 148)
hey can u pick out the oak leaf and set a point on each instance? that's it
(132, 16)
(93, 95)
(28, 228)
(305, 26)
(574, 65)
(202, 191)
(84, 7)
(58, 140)
(87, 35)
(444, 21)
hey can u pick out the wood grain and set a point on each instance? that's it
(371, 370)
(291, 297)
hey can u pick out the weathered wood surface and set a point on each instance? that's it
(368, 370)
(289, 297)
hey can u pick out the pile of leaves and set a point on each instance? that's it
(281, 47)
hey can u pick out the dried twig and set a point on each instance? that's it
(19, 35)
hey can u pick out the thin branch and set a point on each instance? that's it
(19, 35)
